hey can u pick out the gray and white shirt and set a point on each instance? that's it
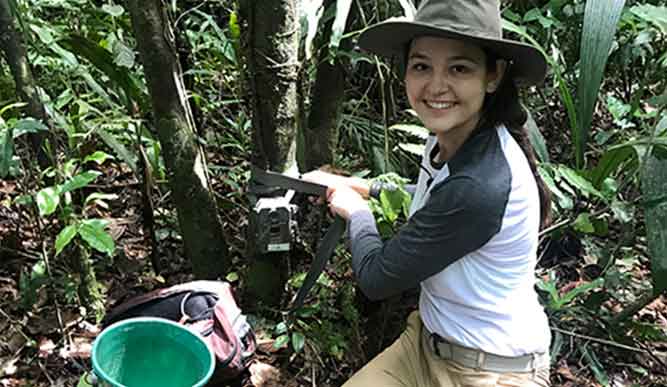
(471, 243)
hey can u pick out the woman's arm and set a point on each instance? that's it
(458, 218)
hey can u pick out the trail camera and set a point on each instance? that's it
(272, 225)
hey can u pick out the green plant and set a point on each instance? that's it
(80, 231)
(392, 205)
(556, 301)
(10, 130)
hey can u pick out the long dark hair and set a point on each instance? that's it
(503, 107)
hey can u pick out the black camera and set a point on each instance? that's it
(272, 225)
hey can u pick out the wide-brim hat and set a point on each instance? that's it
(477, 21)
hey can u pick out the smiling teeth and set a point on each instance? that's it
(439, 105)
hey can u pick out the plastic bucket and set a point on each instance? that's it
(151, 352)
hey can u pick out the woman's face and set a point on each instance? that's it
(446, 81)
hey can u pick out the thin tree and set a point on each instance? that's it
(272, 57)
(198, 217)
(320, 132)
(11, 43)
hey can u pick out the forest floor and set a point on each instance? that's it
(48, 343)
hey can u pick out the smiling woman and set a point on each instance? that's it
(446, 81)
(471, 240)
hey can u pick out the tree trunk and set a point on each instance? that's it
(12, 45)
(198, 218)
(321, 130)
(274, 42)
(272, 57)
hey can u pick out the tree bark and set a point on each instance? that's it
(12, 45)
(321, 131)
(272, 57)
(198, 218)
(273, 62)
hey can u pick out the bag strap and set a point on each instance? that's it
(215, 287)
(331, 237)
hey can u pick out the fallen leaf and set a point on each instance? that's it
(264, 375)
(8, 367)
(81, 348)
(46, 347)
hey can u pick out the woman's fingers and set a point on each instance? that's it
(345, 201)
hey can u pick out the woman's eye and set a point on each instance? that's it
(459, 69)
(419, 66)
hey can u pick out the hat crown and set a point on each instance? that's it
(479, 18)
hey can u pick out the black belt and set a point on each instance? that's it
(331, 237)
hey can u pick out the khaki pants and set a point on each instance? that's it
(409, 362)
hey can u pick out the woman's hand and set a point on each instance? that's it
(345, 201)
(344, 194)
(331, 180)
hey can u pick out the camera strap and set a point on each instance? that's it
(327, 245)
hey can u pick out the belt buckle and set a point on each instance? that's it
(481, 359)
(433, 338)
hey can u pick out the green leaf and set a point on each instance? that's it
(48, 200)
(413, 130)
(99, 157)
(105, 62)
(281, 341)
(234, 28)
(653, 186)
(30, 283)
(532, 15)
(100, 198)
(579, 290)
(281, 328)
(113, 10)
(28, 125)
(536, 139)
(556, 67)
(338, 27)
(298, 341)
(583, 223)
(79, 181)
(24, 200)
(92, 231)
(312, 13)
(600, 20)
(622, 211)
(44, 34)
(15, 105)
(6, 152)
(83, 381)
(64, 237)
(415, 149)
(121, 150)
(579, 182)
(123, 55)
(409, 9)
(598, 370)
(656, 15)
(609, 163)
(232, 277)
(564, 200)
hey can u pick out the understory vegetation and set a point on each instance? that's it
(88, 217)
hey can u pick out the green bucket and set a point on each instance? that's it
(151, 352)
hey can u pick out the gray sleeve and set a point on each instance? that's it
(460, 217)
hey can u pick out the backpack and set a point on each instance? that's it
(209, 309)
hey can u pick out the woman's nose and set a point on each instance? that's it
(439, 82)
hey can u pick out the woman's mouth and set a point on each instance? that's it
(439, 105)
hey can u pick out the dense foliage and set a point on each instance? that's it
(74, 237)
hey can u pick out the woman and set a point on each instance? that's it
(472, 235)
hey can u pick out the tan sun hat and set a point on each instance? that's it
(477, 21)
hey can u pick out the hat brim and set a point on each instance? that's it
(390, 38)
